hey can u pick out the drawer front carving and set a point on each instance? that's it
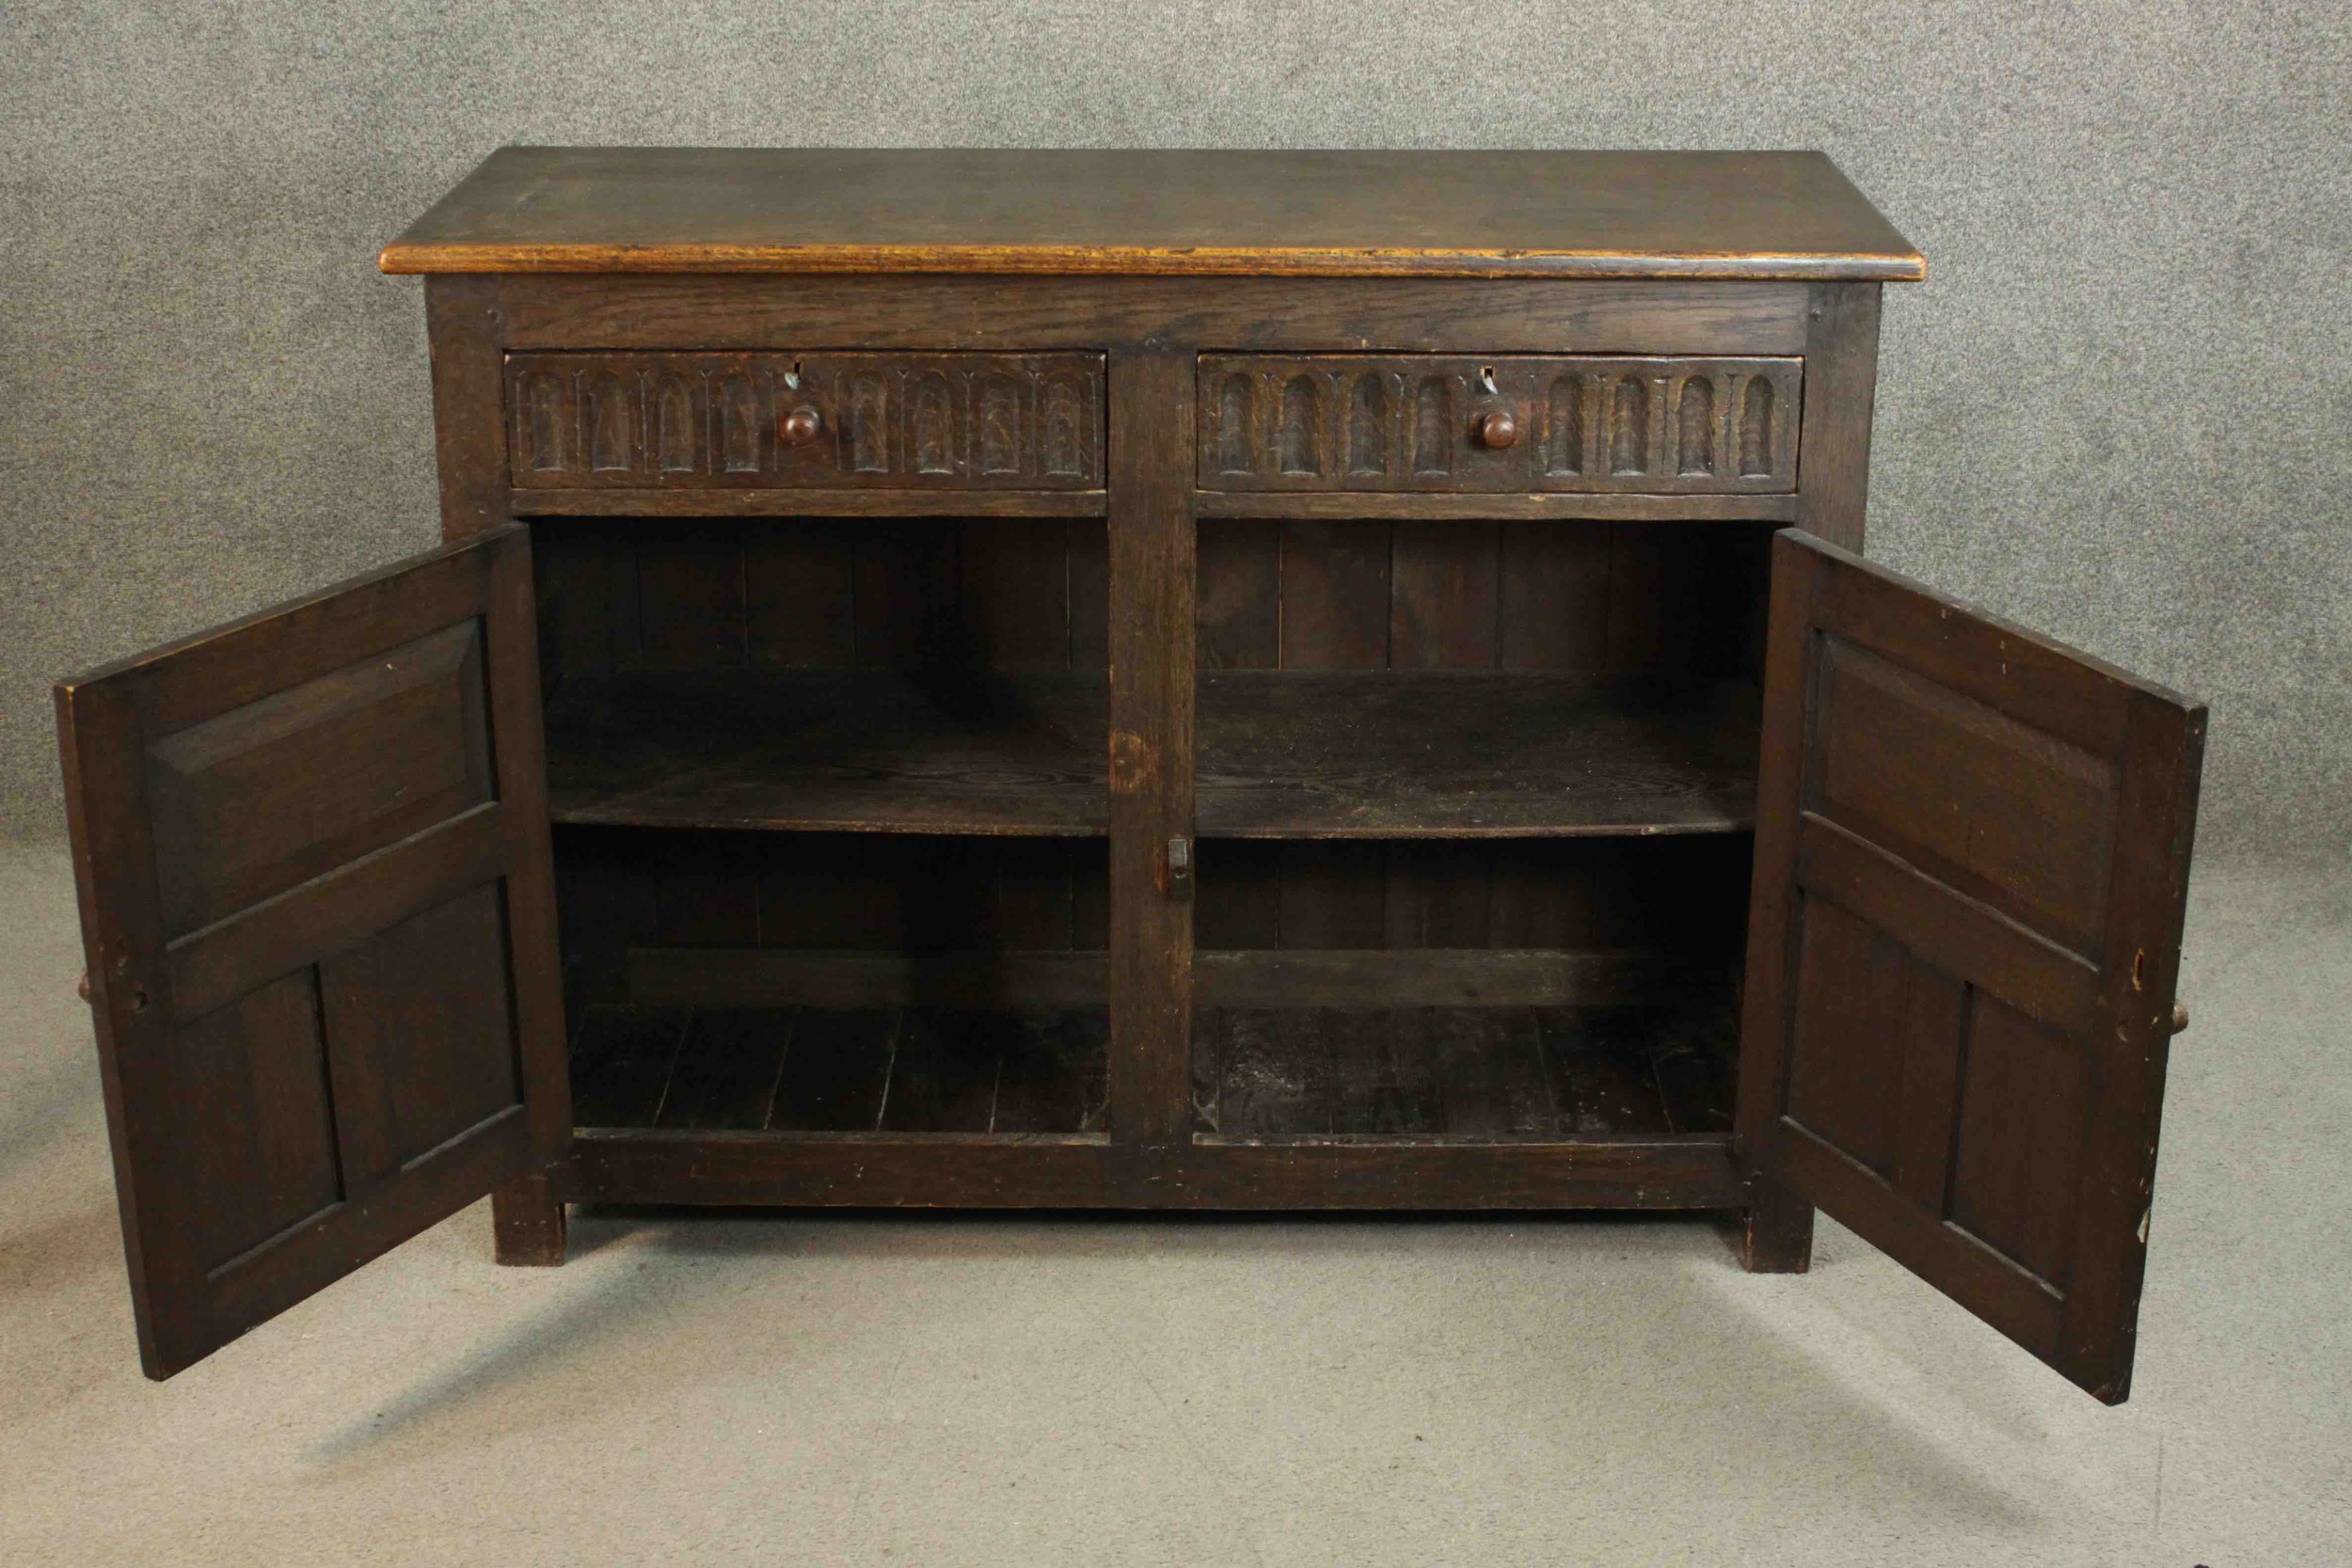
(993, 421)
(1499, 423)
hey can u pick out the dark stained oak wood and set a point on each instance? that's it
(1337, 596)
(850, 897)
(312, 853)
(729, 1065)
(848, 979)
(1841, 351)
(990, 1171)
(1692, 1048)
(890, 1069)
(621, 1063)
(1566, 597)
(932, 546)
(1774, 1232)
(840, 1079)
(832, 752)
(1453, 423)
(1600, 1074)
(1448, 755)
(942, 1078)
(1558, 214)
(1432, 977)
(822, 420)
(755, 503)
(950, 599)
(530, 1224)
(890, 679)
(1282, 754)
(1151, 732)
(463, 318)
(929, 314)
(1054, 1074)
(1972, 856)
(1351, 1067)
(1426, 507)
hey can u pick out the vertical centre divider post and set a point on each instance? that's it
(1152, 640)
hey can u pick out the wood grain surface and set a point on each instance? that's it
(1333, 213)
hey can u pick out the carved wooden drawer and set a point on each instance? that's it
(1028, 421)
(1517, 422)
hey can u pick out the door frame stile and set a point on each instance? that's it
(465, 328)
(132, 1007)
(2111, 1223)
(1841, 349)
(1777, 1232)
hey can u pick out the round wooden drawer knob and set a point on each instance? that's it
(1498, 430)
(800, 427)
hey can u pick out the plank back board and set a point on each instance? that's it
(317, 908)
(1971, 863)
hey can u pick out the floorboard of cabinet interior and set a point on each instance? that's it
(820, 1071)
(1284, 754)
(1526, 1074)
(1475, 1074)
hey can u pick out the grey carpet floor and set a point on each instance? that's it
(1042, 1392)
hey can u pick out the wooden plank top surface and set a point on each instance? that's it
(1761, 215)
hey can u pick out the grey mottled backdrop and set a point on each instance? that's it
(2118, 411)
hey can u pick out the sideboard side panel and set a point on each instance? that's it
(462, 321)
(1841, 358)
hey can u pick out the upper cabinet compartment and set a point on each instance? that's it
(1502, 424)
(917, 421)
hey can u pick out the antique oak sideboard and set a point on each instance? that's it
(1215, 680)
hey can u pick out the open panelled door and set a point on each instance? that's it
(1971, 862)
(318, 912)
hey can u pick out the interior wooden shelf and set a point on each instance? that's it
(1528, 1074)
(1283, 754)
(852, 751)
(1391, 754)
(811, 1070)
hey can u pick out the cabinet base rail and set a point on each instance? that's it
(946, 1171)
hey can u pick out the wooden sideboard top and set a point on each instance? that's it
(1760, 215)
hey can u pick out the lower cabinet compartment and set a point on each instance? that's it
(902, 1021)
(1533, 991)
(834, 985)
